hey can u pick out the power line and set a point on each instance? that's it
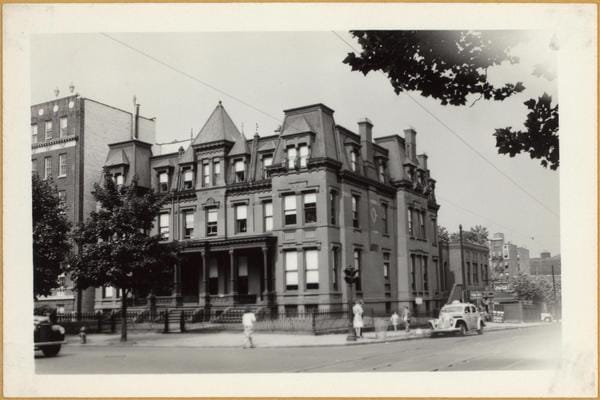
(192, 77)
(473, 149)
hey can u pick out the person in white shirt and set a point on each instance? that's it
(357, 322)
(395, 320)
(248, 320)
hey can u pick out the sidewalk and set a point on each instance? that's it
(264, 339)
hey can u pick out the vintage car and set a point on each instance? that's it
(47, 337)
(459, 318)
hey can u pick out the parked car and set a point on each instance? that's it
(47, 337)
(546, 317)
(459, 318)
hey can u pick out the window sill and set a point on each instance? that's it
(61, 176)
(356, 229)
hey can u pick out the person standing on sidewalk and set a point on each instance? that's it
(248, 320)
(395, 320)
(406, 319)
(357, 322)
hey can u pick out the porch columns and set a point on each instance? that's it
(177, 285)
(265, 253)
(233, 272)
(203, 284)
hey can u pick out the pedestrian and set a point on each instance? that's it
(358, 319)
(248, 320)
(395, 320)
(406, 318)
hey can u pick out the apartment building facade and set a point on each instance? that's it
(69, 138)
(274, 220)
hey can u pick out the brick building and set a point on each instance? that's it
(506, 258)
(69, 138)
(474, 274)
(545, 264)
(274, 220)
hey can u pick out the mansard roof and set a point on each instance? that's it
(116, 157)
(220, 127)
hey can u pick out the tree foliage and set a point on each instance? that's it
(452, 67)
(116, 248)
(535, 288)
(443, 234)
(477, 234)
(50, 236)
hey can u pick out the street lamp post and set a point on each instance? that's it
(350, 276)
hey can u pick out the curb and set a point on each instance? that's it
(357, 343)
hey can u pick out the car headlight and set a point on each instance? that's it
(59, 329)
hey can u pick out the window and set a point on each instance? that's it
(421, 215)
(413, 273)
(188, 224)
(34, 167)
(48, 130)
(303, 155)
(425, 274)
(444, 269)
(47, 168)
(62, 197)
(291, 310)
(353, 160)
(291, 270)
(188, 179)
(242, 280)
(384, 219)
(206, 173)
(216, 171)
(468, 282)
(267, 162)
(386, 266)
(355, 220)
(291, 156)
(239, 171)
(108, 292)
(268, 216)
(163, 182)
(119, 180)
(63, 127)
(381, 170)
(356, 258)
(163, 226)
(241, 212)
(211, 222)
(434, 231)
(310, 208)
(213, 277)
(475, 274)
(62, 165)
(333, 206)
(289, 209)
(312, 269)
(335, 269)
(34, 133)
(436, 269)
(411, 230)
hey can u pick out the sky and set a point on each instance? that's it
(258, 75)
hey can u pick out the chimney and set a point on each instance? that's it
(365, 130)
(136, 125)
(423, 161)
(410, 140)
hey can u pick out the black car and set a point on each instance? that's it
(47, 337)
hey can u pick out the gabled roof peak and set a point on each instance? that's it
(218, 127)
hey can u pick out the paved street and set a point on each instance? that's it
(516, 349)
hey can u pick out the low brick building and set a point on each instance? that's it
(274, 220)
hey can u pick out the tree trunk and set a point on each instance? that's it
(123, 316)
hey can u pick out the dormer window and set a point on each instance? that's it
(119, 180)
(267, 162)
(188, 179)
(291, 156)
(353, 160)
(381, 171)
(216, 171)
(205, 174)
(239, 171)
(163, 182)
(303, 155)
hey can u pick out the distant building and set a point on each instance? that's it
(507, 259)
(69, 138)
(474, 274)
(544, 264)
(274, 220)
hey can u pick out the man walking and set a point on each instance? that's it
(406, 319)
(248, 320)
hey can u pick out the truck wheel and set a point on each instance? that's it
(463, 329)
(51, 351)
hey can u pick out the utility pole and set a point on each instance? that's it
(553, 284)
(462, 263)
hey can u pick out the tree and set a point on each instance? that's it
(526, 288)
(478, 234)
(116, 249)
(452, 67)
(443, 234)
(50, 236)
